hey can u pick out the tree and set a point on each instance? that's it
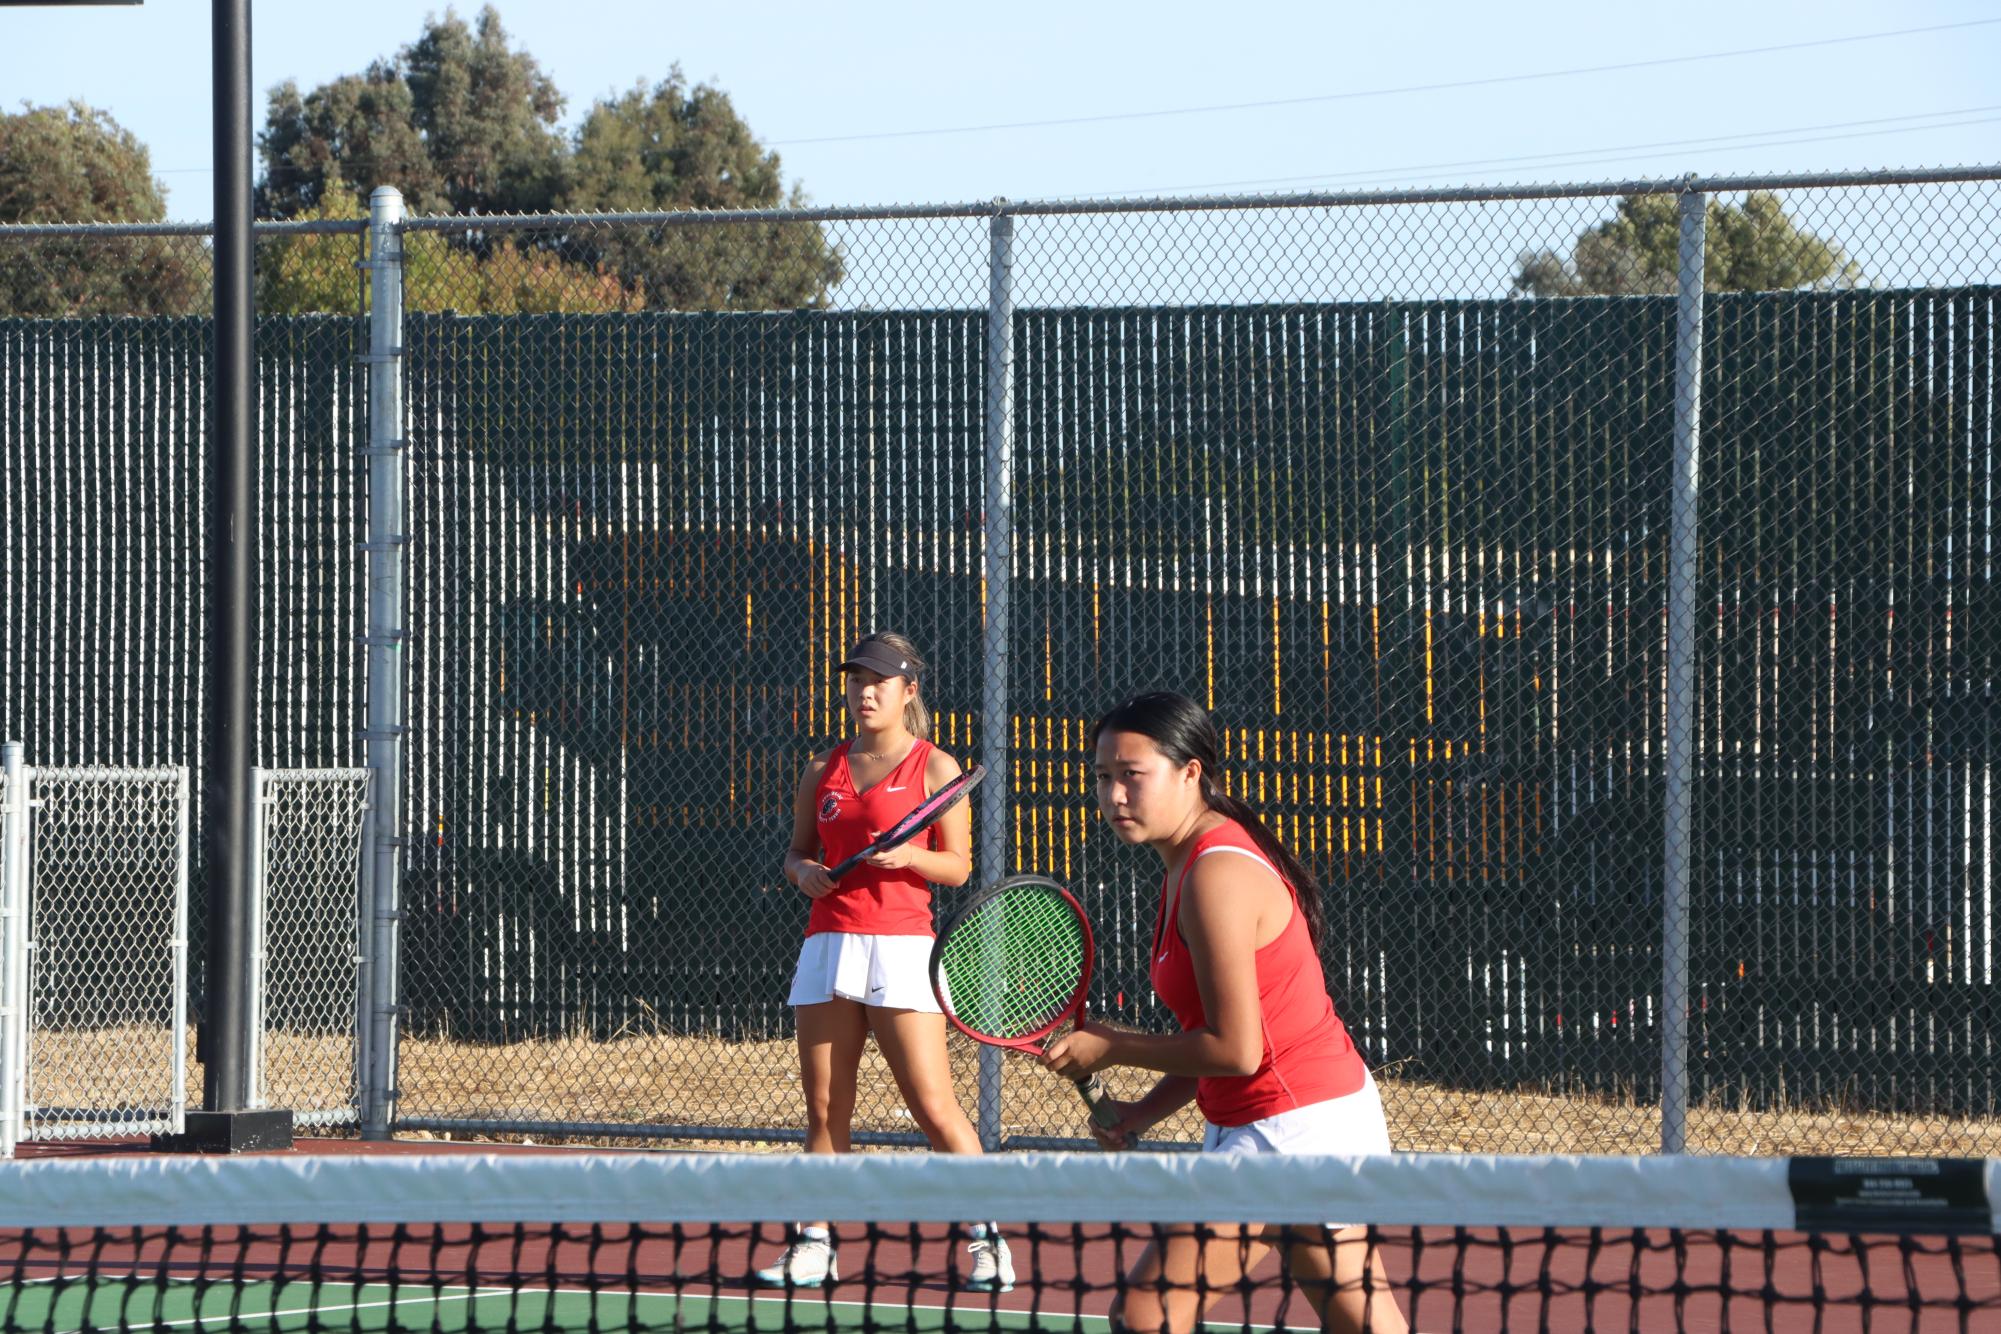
(1754, 247)
(316, 273)
(463, 123)
(458, 121)
(668, 148)
(77, 164)
(488, 117)
(360, 127)
(514, 279)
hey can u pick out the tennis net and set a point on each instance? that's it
(572, 1241)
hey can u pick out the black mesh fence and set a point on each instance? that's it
(1385, 484)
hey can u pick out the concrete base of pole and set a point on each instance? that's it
(258, 1131)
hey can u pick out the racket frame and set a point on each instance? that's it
(909, 826)
(1090, 1088)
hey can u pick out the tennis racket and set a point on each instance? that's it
(1012, 964)
(928, 813)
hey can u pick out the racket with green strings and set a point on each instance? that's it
(1013, 964)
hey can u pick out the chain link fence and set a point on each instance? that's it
(309, 951)
(1395, 484)
(104, 368)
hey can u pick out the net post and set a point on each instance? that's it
(994, 637)
(13, 944)
(1678, 745)
(387, 637)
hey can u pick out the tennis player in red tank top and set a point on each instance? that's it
(1261, 1050)
(864, 966)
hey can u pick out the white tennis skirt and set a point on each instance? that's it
(892, 972)
(1350, 1124)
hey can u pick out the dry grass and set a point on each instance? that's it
(106, 1067)
(705, 1082)
(660, 1080)
(127, 1069)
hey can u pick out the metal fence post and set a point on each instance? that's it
(387, 639)
(254, 1040)
(177, 1112)
(364, 949)
(996, 795)
(13, 945)
(1678, 748)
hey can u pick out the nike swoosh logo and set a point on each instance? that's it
(1161, 959)
(896, 789)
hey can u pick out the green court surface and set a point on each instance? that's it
(110, 1303)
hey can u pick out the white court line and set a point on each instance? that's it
(801, 1297)
(330, 1308)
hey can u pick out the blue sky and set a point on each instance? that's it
(800, 73)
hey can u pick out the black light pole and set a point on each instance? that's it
(227, 1122)
(226, 712)
(229, 722)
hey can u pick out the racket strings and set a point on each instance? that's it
(1013, 966)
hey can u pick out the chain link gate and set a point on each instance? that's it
(97, 1038)
(310, 960)
(96, 972)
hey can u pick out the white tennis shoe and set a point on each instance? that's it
(993, 1266)
(808, 1262)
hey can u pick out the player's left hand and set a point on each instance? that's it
(893, 859)
(1125, 1135)
(1080, 1052)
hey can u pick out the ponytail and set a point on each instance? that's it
(917, 718)
(1184, 731)
(1305, 887)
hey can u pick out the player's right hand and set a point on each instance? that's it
(1081, 1051)
(813, 881)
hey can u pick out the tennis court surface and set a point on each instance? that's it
(574, 1241)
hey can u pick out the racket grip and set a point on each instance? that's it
(1092, 1090)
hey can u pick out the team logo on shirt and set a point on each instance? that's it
(830, 808)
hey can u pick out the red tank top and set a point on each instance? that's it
(1308, 1055)
(870, 900)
